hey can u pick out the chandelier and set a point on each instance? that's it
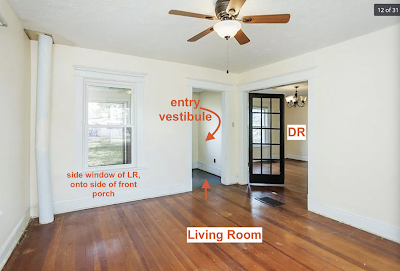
(295, 100)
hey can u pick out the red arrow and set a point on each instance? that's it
(206, 186)
(210, 136)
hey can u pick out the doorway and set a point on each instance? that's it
(227, 177)
(292, 172)
(206, 155)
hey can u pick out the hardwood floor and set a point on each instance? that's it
(151, 235)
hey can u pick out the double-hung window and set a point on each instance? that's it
(109, 120)
(109, 126)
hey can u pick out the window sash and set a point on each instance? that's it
(86, 127)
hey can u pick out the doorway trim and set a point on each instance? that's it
(225, 90)
(280, 80)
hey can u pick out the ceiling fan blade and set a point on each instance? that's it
(241, 37)
(235, 5)
(266, 19)
(202, 34)
(191, 14)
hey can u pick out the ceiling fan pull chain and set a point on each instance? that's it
(227, 56)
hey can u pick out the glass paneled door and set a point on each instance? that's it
(266, 136)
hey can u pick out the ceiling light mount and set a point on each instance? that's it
(221, 10)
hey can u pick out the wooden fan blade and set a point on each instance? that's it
(241, 37)
(235, 5)
(266, 19)
(191, 14)
(202, 34)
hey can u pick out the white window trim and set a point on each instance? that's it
(133, 81)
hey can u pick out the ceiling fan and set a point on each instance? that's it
(229, 26)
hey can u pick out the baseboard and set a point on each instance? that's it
(88, 203)
(195, 165)
(296, 157)
(210, 169)
(12, 240)
(369, 225)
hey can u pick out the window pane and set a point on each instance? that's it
(109, 146)
(256, 151)
(266, 104)
(275, 123)
(256, 120)
(276, 136)
(256, 167)
(109, 106)
(265, 136)
(276, 105)
(256, 135)
(256, 105)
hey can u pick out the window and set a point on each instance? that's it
(109, 120)
(260, 122)
(109, 126)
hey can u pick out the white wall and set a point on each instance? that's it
(356, 122)
(195, 133)
(14, 135)
(296, 149)
(210, 150)
(165, 143)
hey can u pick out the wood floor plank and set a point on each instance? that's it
(131, 255)
(178, 261)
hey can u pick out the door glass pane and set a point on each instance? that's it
(109, 146)
(275, 122)
(266, 105)
(275, 108)
(108, 106)
(276, 160)
(276, 167)
(256, 105)
(275, 136)
(276, 151)
(266, 167)
(256, 167)
(266, 152)
(257, 151)
(256, 120)
(256, 135)
(266, 134)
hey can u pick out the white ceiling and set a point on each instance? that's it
(144, 28)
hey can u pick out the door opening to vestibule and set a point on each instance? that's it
(206, 155)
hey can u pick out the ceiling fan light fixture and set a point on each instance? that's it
(227, 28)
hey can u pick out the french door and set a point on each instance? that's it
(266, 138)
